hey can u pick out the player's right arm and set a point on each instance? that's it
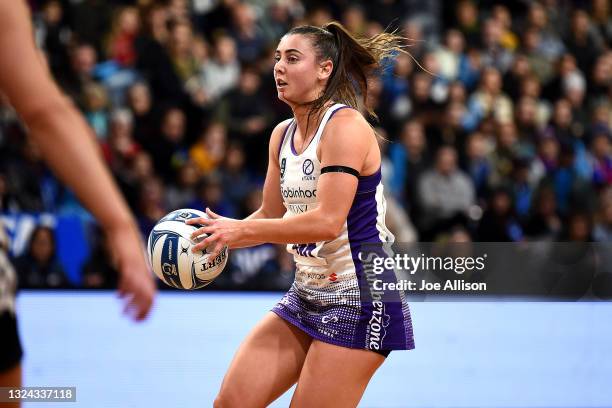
(69, 148)
(272, 203)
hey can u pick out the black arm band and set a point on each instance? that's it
(340, 169)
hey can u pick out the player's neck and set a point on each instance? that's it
(307, 123)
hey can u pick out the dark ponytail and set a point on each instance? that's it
(355, 60)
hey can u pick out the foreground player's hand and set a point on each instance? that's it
(221, 232)
(136, 284)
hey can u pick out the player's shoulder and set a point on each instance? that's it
(348, 123)
(278, 133)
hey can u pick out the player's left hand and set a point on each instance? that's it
(222, 231)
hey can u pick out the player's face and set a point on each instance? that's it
(298, 76)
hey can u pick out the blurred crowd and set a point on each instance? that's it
(495, 125)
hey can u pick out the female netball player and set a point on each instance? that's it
(69, 148)
(323, 197)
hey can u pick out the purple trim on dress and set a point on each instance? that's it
(291, 142)
(361, 227)
(280, 147)
(318, 127)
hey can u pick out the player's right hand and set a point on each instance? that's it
(136, 283)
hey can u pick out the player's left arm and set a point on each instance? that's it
(346, 142)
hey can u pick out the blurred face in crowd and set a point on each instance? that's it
(212, 192)
(188, 175)
(403, 65)
(457, 93)
(549, 149)
(601, 114)
(567, 64)
(244, 17)
(601, 146)
(249, 81)
(199, 50)
(225, 50)
(562, 115)
(413, 138)
(52, 12)
(601, 9)
(526, 111)
(151, 193)
(467, 13)
(413, 31)
(299, 75)
(121, 133)
(580, 23)
(602, 72)
(459, 236)
(234, 160)
(139, 98)
(182, 37)
(215, 138)
(506, 135)
(173, 126)
(320, 16)
(129, 20)
(84, 59)
(279, 11)
(454, 41)
(492, 32)
(531, 40)
(537, 16)
(491, 81)
(476, 147)
(455, 113)
(547, 204)
(354, 19)
(421, 86)
(142, 166)
(502, 15)
(157, 19)
(530, 86)
(501, 203)
(179, 9)
(579, 227)
(431, 64)
(42, 245)
(95, 97)
(446, 162)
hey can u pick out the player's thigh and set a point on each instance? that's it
(334, 376)
(11, 378)
(267, 363)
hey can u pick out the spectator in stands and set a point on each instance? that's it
(39, 267)
(83, 59)
(446, 193)
(499, 222)
(125, 28)
(223, 70)
(250, 40)
(100, 270)
(168, 150)
(603, 226)
(140, 103)
(183, 191)
(208, 152)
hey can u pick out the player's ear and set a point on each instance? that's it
(325, 69)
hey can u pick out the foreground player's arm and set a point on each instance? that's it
(272, 202)
(335, 193)
(69, 148)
